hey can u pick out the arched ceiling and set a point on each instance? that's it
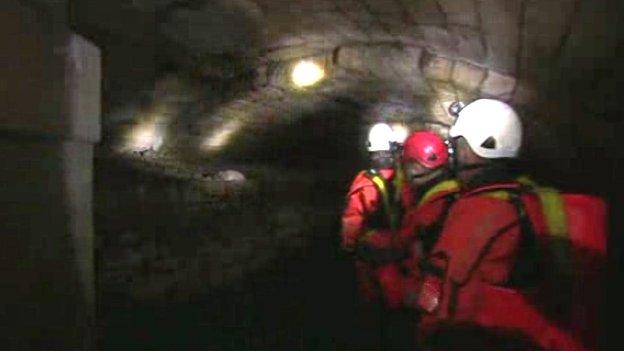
(228, 63)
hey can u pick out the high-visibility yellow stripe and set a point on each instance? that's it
(399, 183)
(556, 221)
(552, 207)
(446, 185)
(390, 210)
(498, 194)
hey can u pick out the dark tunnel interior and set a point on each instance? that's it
(302, 297)
(301, 294)
(170, 186)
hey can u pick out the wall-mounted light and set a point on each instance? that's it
(307, 73)
(145, 137)
(220, 137)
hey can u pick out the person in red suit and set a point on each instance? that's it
(425, 164)
(373, 210)
(476, 280)
(376, 202)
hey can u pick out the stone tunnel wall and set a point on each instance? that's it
(170, 239)
(164, 236)
(191, 260)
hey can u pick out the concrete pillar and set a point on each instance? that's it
(49, 123)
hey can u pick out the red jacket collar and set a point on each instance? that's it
(509, 185)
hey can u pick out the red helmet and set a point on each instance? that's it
(426, 148)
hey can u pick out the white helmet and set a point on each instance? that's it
(379, 137)
(491, 128)
(400, 132)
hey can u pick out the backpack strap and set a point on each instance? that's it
(492, 228)
(429, 235)
(526, 268)
(552, 207)
(386, 190)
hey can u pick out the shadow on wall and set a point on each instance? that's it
(326, 140)
(164, 240)
(183, 268)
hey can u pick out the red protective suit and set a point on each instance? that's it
(465, 278)
(430, 210)
(364, 219)
(363, 203)
(363, 200)
(424, 217)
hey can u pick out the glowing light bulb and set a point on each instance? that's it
(307, 73)
(146, 137)
(222, 135)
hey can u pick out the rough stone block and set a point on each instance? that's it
(446, 90)
(445, 95)
(425, 12)
(393, 110)
(460, 12)
(436, 67)
(356, 12)
(456, 42)
(381, 6)
(468, 44)
(348, 57)
(388, 13)
(468, 76)
(524, 94)
(329, 29)
(292, 52)
(319, 5)
(497, 84)
(468, 95)
(439, 112)
(407, 68)
(383, 61)
(500, 29)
